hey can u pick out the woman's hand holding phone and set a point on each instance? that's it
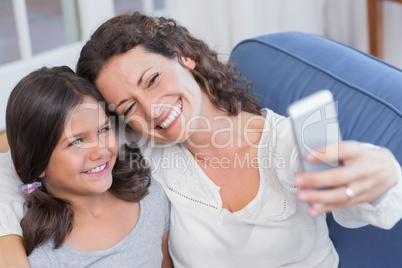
(336, 173)
(367, 171)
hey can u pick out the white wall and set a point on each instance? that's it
(224, 23)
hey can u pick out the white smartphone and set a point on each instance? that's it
(315, 125)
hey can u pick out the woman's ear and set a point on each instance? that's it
(42, 175)
(189, 63)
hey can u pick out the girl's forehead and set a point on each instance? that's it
(88, 103)
(85, 117)
(86, 108)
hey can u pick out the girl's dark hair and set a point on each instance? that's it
(226, 88)
(35, 117)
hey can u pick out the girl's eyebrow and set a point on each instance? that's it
(71, 138)
(106, 123)
(82, 133)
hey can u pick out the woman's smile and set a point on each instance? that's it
(171, 117)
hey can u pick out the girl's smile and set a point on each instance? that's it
(99, 170)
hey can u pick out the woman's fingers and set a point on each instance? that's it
(342, 196)
(339, 151)
(367, 172)
(330, 178)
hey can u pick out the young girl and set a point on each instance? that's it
(88, 206)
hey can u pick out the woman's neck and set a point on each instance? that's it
(226, 135)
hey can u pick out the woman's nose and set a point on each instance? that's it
(152, 108)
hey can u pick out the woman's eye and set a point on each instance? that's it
(125, 113)
(75, 142)
(153, 79)
(103, 130)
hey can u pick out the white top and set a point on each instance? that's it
(272, 230)
(11, 200)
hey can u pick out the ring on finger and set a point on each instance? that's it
(349, 192)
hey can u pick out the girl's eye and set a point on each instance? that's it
(153, 79)
(125, 113)
(76, 142)
(103, 130)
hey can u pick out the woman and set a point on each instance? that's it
(171, 88)
(205, 137)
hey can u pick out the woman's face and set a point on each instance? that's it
(157, 96)
(81, 163)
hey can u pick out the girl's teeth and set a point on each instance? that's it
(97, 169)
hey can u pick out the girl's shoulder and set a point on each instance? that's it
(155, 190)
(41, 256)
(156, 206)
(156, 197)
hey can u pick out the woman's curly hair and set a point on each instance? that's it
(226, 88)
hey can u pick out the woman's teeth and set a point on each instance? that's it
(175, 112)
(97, 169)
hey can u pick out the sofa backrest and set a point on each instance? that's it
(285, 67)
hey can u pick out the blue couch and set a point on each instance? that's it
(285, 67)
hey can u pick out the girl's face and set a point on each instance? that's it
(157, 96)
(81, 163)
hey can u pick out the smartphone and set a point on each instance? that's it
(315, 126)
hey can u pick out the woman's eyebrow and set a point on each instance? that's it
(142, 76)
(120, 103)
(138, 84)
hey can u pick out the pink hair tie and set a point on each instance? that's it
(30, 187)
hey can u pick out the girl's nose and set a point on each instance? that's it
(99, 150)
